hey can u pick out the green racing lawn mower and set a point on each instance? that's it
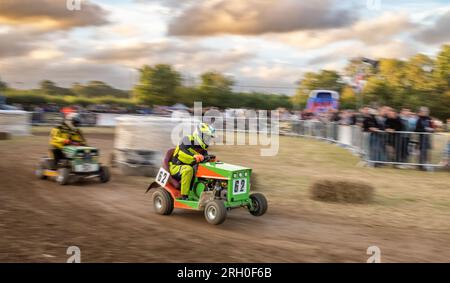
(216, 188)
(80, 162)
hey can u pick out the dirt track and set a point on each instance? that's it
(114, 222)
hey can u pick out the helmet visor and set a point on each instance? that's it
(207, 139)
(76, 121)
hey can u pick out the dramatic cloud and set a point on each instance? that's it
(340, 55)
(28, 72)
(254, 17)
(185, 56)
(14, 44)
(371, 31)
(439, 32)
(258, 42)
(50, 14)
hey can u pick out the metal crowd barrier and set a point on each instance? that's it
(397, 148)
(405, 148)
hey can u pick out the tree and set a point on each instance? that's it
(214, 81)
(348, 98)
(442, 69)
(377, 91)
(441, 75)
(357, 66)
(48, 87)
(3, 85)
(97, 89)
(440, 105)
(215, 89)
(157, 85)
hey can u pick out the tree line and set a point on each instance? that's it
(162, 85)
(419, 81)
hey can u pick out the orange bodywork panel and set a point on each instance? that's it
(176, 194)
(205, 172)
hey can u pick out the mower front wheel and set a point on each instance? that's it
(63, 176)
(104, 174)
(162, 202)
(259, 203)
(215, 212)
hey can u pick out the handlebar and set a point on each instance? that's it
(208, 158)
(76, 144)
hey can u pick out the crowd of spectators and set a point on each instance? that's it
(391, 131)
(393, 136)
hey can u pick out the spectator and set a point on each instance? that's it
(394, 140)
(370, 126)
(424, 126)
(381, 137)
(334, 115)
(408, 123)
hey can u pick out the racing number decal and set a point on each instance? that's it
(162, 177)
(239, 186)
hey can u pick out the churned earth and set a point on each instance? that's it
(115, 222)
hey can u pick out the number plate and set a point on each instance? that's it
(239, 186)
(86, 167)
(162, 177)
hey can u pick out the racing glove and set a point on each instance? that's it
(199, 158)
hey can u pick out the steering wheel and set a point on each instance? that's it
(208, 158)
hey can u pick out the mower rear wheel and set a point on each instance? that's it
(63, 176)
(104, 174)
(259, 203)
(40, 171)
(215, 212)
(162, 202)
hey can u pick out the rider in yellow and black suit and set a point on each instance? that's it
(189, 152)
(65, 134)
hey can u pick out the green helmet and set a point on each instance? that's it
(203, 134)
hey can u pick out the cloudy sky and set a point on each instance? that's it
(261, 43)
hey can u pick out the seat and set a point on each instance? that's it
(165, 164)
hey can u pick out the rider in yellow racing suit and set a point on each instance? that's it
(189, 152)
(65, 134)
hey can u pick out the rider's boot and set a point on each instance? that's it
(183, 197)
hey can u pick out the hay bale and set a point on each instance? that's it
(4, 136)
(342, 191)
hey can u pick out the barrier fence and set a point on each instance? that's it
(397, 148)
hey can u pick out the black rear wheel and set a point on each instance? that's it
(40, 170)
(63, 176)
(162, 202)
(259, 203)
(104, 174)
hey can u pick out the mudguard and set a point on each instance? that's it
(152, 186)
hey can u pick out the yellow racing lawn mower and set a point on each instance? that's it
(80, 162)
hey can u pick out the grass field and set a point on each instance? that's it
(403, 198)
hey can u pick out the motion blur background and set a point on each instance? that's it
(125, 66)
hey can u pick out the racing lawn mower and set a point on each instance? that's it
(80, 162)
(216, 188)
